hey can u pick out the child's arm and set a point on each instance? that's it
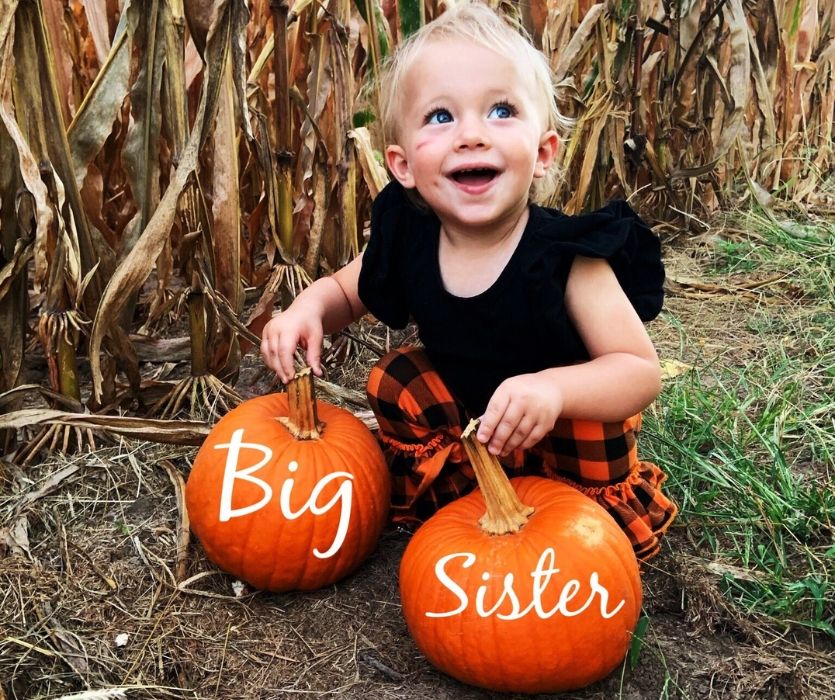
(326, 306)
(622, 378)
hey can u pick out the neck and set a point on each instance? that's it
(495, 233)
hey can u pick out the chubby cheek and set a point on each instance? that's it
(426, 145)
(427, 160)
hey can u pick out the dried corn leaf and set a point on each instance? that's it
(710, 288)
(200, 17)
(673, 368)
(46, 136)
(764, 97)
(238, 50)
(176, 432)
(319, 89)
(579, 43)
(93, 122)
(346, 169)
(739, 73)
(28, 164)
(138, 263)
(14, 538)
(69, 644)
(21, 256)
(161, 349)
(260, 64)
(557, 30)
(377, 38)
(50, 485)
(70, 267)
(100, 694)
(140, 154)
(723, 569)
(175, 81)
(184, 525)
(320, 210)
(52, 14)
(13, 395)
(96, 12)
(176, 117)
(271, 185)
(375, 175)
(227, 314)
(597, 116)
(226, 229)
(806, 31)
(16, 250)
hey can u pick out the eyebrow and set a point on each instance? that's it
(497, 94)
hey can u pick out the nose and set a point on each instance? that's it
(471, 133)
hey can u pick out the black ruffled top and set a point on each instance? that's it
(518, 325)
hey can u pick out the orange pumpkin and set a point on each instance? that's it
(284, 501)
(539, 595)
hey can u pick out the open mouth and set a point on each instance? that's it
(475, 176)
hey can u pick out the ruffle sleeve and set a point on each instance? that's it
(615, 233)
(381, 281)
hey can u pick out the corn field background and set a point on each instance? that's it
(165, 161)
(172, 171)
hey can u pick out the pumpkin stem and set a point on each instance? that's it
(303, 422)
(505, 512)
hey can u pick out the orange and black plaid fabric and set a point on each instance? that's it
(420, 426)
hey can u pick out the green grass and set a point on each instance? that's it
(749, 443)
(734, 256)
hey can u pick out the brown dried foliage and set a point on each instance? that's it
(161, 164)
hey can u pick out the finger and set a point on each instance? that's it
(518, 436)
(265, 352)
(286, 362)
(504, 430)
(534, 437)
(270, 354)
(492, 416)
(313, 356)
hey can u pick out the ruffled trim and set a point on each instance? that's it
(615, 233)
(422, 450)
(430, 459)
(637, 504)
(379, 284)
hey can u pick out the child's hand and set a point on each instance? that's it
(283, 333)
(521, 412)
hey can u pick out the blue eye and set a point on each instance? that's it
(502, 111)
(438, 116)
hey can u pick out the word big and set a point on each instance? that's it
(232, 473)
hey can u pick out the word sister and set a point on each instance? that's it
(509, 600)
(232, 473)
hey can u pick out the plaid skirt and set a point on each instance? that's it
(420, 426)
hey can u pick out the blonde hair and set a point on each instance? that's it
(474, 21)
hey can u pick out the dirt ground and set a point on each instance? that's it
(89, 602)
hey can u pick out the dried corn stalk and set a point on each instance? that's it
(700, 96)
(173, 157)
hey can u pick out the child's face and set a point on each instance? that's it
(471, 135)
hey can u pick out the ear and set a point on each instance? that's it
(398, 165)
(548, 147)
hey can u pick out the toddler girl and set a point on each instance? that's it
(528, 318)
